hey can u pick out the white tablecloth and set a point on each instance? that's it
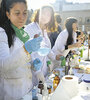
(84, 93)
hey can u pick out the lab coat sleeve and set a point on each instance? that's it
(60, 43)
(32, 29)
(10, 61)
(51, 55)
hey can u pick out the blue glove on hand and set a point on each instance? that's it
(33, 45)
(37, 64)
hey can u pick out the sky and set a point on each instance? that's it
(78, 1)
(35, 4)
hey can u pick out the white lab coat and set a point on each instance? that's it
(59, 47)
(33, 29)
(15, 73)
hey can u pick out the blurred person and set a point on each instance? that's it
(15, 50)
(42, 22)
(53, 35)
(66, 40)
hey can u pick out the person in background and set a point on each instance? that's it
(15, 50)
(58, 20)
(66, 40)
(30, 12)
(53, 35)
(42, 22)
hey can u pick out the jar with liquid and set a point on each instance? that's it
(56, 82)
(49, 89)
(40, 86)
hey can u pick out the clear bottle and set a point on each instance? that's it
(81, 51)
(63, 61)
(56, 82)
(39, 95)
(34, 94)
(66, 69)
(50, 66)
(71, 71)
(45, 92)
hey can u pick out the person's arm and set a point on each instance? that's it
(8, 60)
(59, 46)
(60, 42)
(75, 45)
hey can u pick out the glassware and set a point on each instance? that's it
(56, 82)
(34, 94)
(44, 50)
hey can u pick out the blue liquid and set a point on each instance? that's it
(43, 51)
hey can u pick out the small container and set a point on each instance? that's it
(50, 66)
(81, 51)
(56, 82)
(66, 69)
(49, 89)
(56, 72)
(40, 86)
(34, 94)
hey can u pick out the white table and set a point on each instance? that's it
(83, 94)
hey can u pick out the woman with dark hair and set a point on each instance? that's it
(66, 40)
(15, 50)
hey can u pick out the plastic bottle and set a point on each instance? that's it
(66, 69)
(39, 95)
(81, 51)
(63, 61)
(71, 71)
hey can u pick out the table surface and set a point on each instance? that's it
(84, 92)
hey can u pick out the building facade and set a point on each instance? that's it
(80, 11)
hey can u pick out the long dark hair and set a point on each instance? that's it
(69, 28)
(51, 25)
(5, 23)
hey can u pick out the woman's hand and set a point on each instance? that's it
(33, 45)
(37, 64)
(58, 57)
(75, 45)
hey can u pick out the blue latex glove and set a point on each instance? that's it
(37, 64)
(33, 45)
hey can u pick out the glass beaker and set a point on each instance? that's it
(44, 50)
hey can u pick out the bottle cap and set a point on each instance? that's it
(48, 62)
